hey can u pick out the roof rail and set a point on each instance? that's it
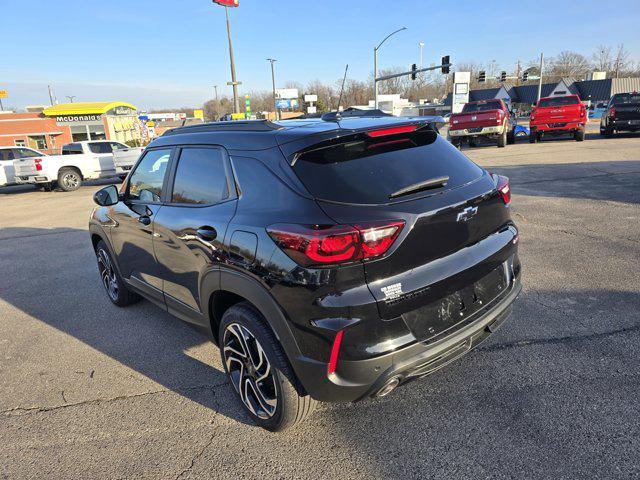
(353, 112)
(232, 126)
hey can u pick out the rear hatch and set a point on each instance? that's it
(455, 232)
(558, 111)
(627, 106)
(25, 167)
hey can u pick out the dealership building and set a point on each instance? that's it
(54, 126)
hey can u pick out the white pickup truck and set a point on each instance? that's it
(7, 156)
(79, 161)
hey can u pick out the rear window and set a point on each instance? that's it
(365, 170)
(558, 101)
(622, 98)
(100, 147)
(481, 107)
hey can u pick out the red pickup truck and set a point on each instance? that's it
(482, 119)
(558, 116)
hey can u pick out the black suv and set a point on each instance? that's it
(622, 114)
(329, 260)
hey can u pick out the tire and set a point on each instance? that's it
(579, 135)
(511, 137)
(608, 132)
(244, 333)
(113, 283)
(533, 138)
(502, 139)
(473, 143)
(69, 179)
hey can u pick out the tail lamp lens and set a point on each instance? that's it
(38, 163)
(612, 112)
(323, 245)
(503, 187)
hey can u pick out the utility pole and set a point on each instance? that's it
(375, 65)
(215, 87)
(540, 79)
(421, 47)
(236, 103)
(273, 82)
(518, 73)
(50, 95)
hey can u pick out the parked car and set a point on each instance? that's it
(553, 116)
(124, 157)
(486, 119)
(66, 171)
(622, 114)
(7, 156)
(330, 261)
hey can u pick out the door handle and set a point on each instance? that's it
(144, 220)
(207, 233)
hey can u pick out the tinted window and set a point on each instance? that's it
(558, 101)
(200, 177)
(146, 181)
(100, 147)
(26, 153)
(368, 170)
(72, 149)
(118, 146)
(622, 98)
(6, 154)
(481, 107)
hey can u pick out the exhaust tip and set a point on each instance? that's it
(388, 387)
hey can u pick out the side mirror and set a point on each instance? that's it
(106, 196)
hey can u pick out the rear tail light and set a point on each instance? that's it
(504, 189)
(324, 245)
(335, 351)
(612, 112)
(38, 162)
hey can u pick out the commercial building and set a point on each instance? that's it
(33, 130)
(97, 120)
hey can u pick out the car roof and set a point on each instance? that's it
(262, 134)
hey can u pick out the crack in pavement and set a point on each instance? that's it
(197, 456)
(563, 179)
(558, 340)
(19, 411)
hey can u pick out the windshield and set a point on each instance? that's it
(558, 101)
(366, 170)
(622, 98)
(481, 107)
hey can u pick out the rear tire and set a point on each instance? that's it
(534, 138)
(259, 371)
(113, 283)
(502, 139)
(608, 132)
(69, 179)
(511, 137)
(579, 135)
(473, 143)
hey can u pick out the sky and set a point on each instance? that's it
(169, 54)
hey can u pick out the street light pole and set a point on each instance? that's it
(540, 79)
(375, 65)
(273, 82)
(215, 87)
(421, 47)
(236, 103)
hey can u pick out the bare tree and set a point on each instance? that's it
(568, 64)
(621, 60)
(602, 58)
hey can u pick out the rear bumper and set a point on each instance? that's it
(633, 124)
(29, 179)
(471, 132)
(559, 127)
(356, 380)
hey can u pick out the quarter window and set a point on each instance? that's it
(200, 177)
(146, 180)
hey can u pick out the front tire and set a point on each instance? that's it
(534, 137)
(258, 369)
(113, 283)
(69, 179)
(579, 135)
(473, 143)
(502, 140)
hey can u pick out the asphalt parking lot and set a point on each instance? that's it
(93, 391)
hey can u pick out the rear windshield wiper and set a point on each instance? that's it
(426, 185)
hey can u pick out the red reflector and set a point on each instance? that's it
(335, 350)
(392, 131)
(322, 245)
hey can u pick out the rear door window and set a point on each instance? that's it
(201, 177)
(100, 147)
(364, 170)
(72, 149)
(559, 101)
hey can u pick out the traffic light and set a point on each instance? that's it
(503, 76)
(525, 76)
(445, 64)
(482, 77)
(414, 67)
